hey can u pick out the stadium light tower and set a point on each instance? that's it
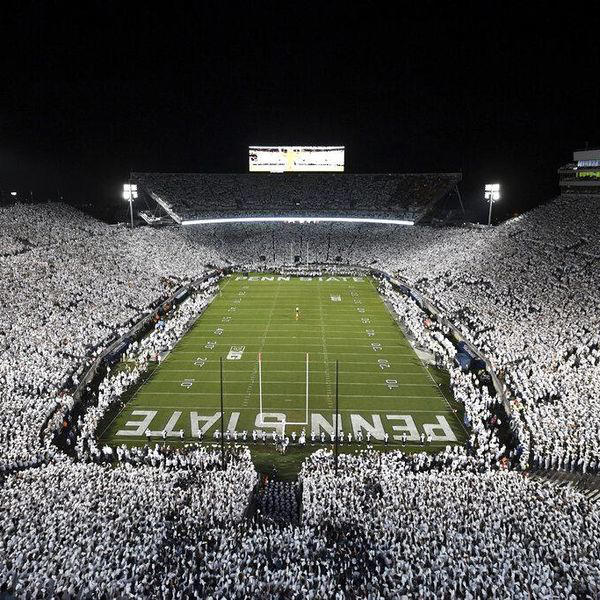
(492, 193)
(130, 194)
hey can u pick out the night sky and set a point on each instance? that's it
(498, 91)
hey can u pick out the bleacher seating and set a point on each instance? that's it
(199, 195)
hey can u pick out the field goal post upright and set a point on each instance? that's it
(260, 394)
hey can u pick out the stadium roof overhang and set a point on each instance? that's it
(296, 219)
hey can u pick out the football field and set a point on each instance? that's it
(279, 339)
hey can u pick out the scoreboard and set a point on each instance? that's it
(282, 159)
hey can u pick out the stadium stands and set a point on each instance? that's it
(188, 196)
(77, 285)
(169, 524)
(379, 529)
(105, 532)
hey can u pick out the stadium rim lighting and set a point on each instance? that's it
(292, 219)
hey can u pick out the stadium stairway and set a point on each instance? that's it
(588, 485)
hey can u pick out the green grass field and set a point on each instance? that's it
(383, 386)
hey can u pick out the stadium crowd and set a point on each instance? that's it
(452, 533)
(525, 294)
(80, 530)
(380, 528)
(204, 195)
(168, 524)
(77, 285)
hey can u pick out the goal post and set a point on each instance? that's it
(306, 394)
(260, 386)
(306, 400)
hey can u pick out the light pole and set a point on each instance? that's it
(222, 432)
(492, 193)
(337, 416)
(130, 194)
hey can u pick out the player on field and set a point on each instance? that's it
(297, 312)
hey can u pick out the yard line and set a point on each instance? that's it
(149, 393)
(228, 408)
(222, 287)
(288, 382)
(364, 337)
(272, 361)
(300, 351)
(351, 372)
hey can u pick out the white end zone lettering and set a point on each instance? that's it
(319, 423)
(277, 424)
(375, 428)
(445, 431)
(140, 426)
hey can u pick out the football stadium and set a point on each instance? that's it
(271, 378)
(281, 343)
(310, 318)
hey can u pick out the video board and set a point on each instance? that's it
(287, 159)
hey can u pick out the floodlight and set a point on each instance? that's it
(130, 194)
(130, 191)
(492, 191)
(13, 193)
(491, 194)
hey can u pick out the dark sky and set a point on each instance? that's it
(498, 91)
